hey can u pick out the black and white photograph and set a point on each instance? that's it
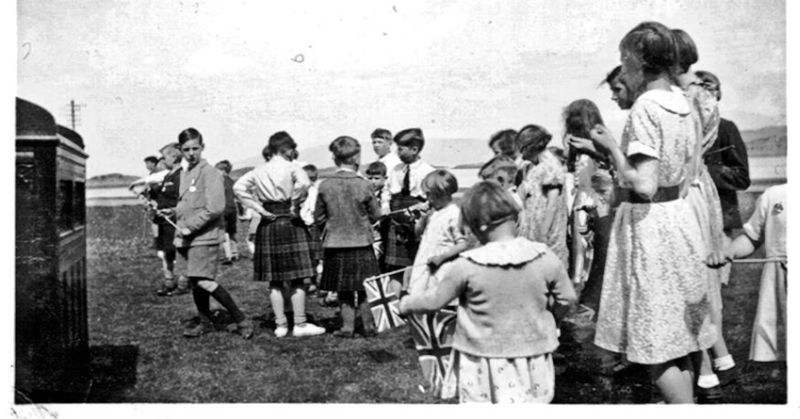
(399, 203)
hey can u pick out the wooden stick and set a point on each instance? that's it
(759, 260)
(154, 206)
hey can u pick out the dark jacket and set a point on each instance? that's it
(167, 196)
(230, 198)
(201, 204)
(346, 208)
(727, 165)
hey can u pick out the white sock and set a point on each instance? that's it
(724, 363)
(708, 381)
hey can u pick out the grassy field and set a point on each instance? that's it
(139, 355)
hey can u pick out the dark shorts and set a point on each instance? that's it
(166, 238)
(230, 223)
(344, 269)
(201, 261)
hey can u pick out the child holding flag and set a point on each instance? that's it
(505, 331)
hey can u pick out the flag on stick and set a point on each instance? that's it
(383, 302)
(433, 338)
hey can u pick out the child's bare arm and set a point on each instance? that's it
(436, 261)
(741, 246)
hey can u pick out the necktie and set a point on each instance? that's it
(406, 182)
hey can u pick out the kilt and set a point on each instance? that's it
(344, 269)
(315, 243)
(401, 242)
(282, 247)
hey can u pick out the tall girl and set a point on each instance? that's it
(282, 254)
(505, 333)
(655, 304)
(200, 231)
(544, 214)
(345, 210)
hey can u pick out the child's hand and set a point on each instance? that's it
(185, 232)
(266, 215)
(602, 138)
(579, 143)
(435, 262)
(718, 259)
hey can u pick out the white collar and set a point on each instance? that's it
(518, 251)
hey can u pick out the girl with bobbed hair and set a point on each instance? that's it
(655, 305)
(544, 214)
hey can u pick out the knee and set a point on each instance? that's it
(206, 284)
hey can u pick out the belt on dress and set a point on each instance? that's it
(278, 207)
(664, 194)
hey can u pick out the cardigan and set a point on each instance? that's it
(729, 170)
(503, 308)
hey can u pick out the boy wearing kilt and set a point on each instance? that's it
(282, 256)
(345, 210)
(403, 191)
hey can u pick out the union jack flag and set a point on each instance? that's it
(384, 303)
(433, 338)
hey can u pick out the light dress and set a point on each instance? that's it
(702, 193)
(655, 304)
(768, 225)
(549, 172)
(441, 233)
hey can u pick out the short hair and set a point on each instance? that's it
(439, 182)
(151, 159)
(189, 134)
(580, 117)
(500, 163)
(653, 45)
(174, 147)
(376, 168)
(533, 136)
(266, 153)
(279, 141)
(345, 150)
(710, 82)
(485, 206)
(505, 140)
(687, 50)
(613, 75)
(225, 166)
(311, 170)
(382, 133)
(410, 137)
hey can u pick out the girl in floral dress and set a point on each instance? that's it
(655, 305)
(544, 215)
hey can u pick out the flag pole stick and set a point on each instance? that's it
(759, 260)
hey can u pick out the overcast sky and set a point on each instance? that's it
(143, 70)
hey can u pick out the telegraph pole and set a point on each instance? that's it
(72, 113)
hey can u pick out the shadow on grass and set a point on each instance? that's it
(113, 371)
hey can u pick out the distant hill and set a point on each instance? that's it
(765, 142)
(111, 180)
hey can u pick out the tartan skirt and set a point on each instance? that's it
(282, 251)
(315, 243)
(345, 269)
(401, 242)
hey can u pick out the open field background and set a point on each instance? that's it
(139, 355)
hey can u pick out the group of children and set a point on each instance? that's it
(614, 227)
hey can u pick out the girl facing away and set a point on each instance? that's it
(505, 329)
